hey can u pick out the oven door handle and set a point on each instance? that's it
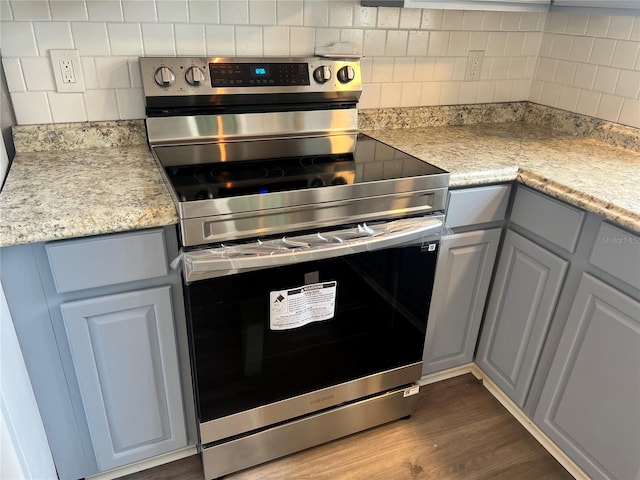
(220, 261)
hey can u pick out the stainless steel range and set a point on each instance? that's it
(308, 254)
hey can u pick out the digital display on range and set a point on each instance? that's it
(260, 71)
(258, 74)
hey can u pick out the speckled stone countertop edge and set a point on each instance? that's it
(46, 199)
(64, 233)
(479, 178)
(589, 203)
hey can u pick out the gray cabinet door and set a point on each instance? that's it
(590, 404)
(124, 355)
(526, 289)
(465, 264)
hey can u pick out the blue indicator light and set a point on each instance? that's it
(260, 71)
(263, 190)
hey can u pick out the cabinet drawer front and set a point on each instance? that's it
(473, 206)
(550, 219)
(107, 260)
(618, 253)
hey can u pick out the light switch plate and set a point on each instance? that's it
(67, 70)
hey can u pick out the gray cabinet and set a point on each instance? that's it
(124, 353)
(590, 404)
(101, 325)
(561, 336)
(465, 265)
(525, 291)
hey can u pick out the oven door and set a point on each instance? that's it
(309, 328)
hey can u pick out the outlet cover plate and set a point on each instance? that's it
(71, 79)
(474, 65)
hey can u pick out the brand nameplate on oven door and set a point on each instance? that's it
(296, 307)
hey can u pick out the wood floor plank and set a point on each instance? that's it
(458, 432)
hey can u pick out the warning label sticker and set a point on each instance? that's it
(300, 306)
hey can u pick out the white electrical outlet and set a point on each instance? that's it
(474, 65)
(68, 73)
(67, 70)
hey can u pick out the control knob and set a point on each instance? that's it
(322, 74)
(194, 76)
(164, 77)
(346, 74)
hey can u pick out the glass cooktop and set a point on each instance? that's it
(369, 161)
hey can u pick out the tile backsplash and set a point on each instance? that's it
(590, 64)
(585, 63)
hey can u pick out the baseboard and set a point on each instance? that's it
(531, 427)
(446, 374)
(145, 464)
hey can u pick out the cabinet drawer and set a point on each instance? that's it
(550, 219)
(473, 206)
(618, 253)
(107, 260)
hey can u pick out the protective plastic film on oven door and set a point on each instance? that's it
(231, 259)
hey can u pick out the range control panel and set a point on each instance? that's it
(184, 76)
(258, 74)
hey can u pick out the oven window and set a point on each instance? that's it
(381, 306)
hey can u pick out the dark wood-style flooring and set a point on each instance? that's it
(459, 432)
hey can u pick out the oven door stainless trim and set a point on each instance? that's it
(241, 453)
(274, 221)
(220, 261)
(276, 412)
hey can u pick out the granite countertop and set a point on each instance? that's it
(76, 193)
(117, 186)
(584, 172)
